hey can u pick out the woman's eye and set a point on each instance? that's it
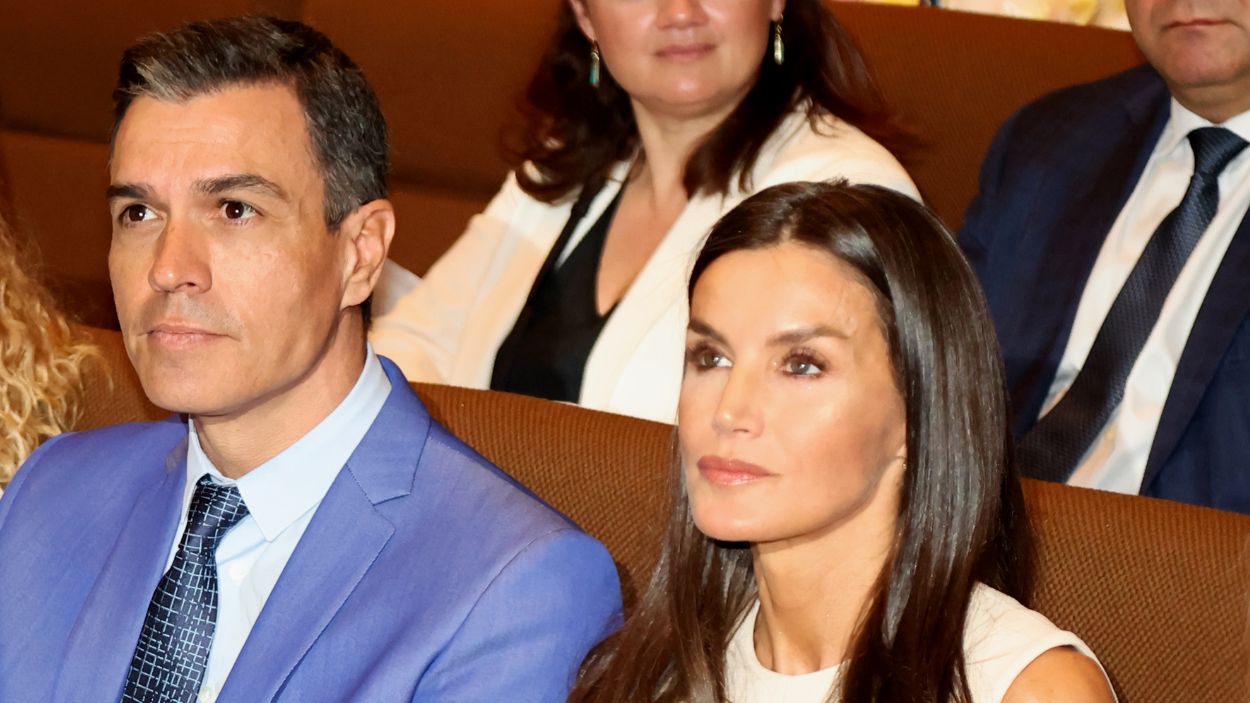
(235, 210)
(802, 366)
(703, 357)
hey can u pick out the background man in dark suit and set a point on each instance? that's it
(305, 531)
(1109, 235)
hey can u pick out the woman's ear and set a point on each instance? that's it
(369, 230)
(582, 14)
(778, 9)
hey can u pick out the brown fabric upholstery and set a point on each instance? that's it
(1161, 591)
(60, 58)
(59, 204)
(111, 391)
(954, 78)
(448, 74)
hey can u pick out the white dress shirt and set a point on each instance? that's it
(1116, 461)
(281, 496)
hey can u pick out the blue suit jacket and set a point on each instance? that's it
(1054, 182)
(426, 574)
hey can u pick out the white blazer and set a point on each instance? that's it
(446, 327)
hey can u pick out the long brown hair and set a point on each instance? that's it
(40, 361)
(961, 515)
(573, 133)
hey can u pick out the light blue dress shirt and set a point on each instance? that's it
(281, 496)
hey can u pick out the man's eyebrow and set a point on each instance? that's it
(700, 327)
(239, 181)
(803, 334)
(133, 191)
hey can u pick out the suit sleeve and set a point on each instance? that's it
(977, 231)
(422, 328)
(525, 638)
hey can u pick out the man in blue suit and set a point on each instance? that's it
(305, 532)
(1110, 236)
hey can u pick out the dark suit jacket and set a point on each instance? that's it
(426, 574)
(1054, 182)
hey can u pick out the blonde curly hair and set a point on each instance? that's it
(40, 362)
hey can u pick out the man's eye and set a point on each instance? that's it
(235, 210)
(136, 213)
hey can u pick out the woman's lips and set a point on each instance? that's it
(730, 472)
(685, 52)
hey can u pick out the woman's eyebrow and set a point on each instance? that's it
(700, 327)
(803, 334)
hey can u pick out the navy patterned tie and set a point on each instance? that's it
(1055, 445)
(172, 653)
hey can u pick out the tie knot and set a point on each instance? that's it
(215, 509)
(1213, 148)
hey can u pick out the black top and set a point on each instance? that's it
(545, 353)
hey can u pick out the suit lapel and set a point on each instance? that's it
(342, 542)
(1226, 304)
(115, 609)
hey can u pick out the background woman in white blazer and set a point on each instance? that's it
(648, 120)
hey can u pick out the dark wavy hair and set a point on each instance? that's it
(961, 514)
(573, 133)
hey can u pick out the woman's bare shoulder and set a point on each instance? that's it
(1061, 675)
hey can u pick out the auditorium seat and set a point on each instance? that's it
(1160, 590)
(449, 75)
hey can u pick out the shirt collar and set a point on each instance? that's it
(1182, 121)
(281, 490)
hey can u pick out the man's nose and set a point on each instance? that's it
(181, 263)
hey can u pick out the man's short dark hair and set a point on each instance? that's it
(341, 111)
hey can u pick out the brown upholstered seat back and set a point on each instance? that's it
(954, 78)
(448, 74)
(1159, 590)
(111, 391)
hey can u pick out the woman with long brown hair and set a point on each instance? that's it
(647, 120)
(847, 525)
(40, 358)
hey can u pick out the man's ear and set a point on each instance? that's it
(368, 232)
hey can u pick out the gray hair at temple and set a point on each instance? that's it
(345, 122)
